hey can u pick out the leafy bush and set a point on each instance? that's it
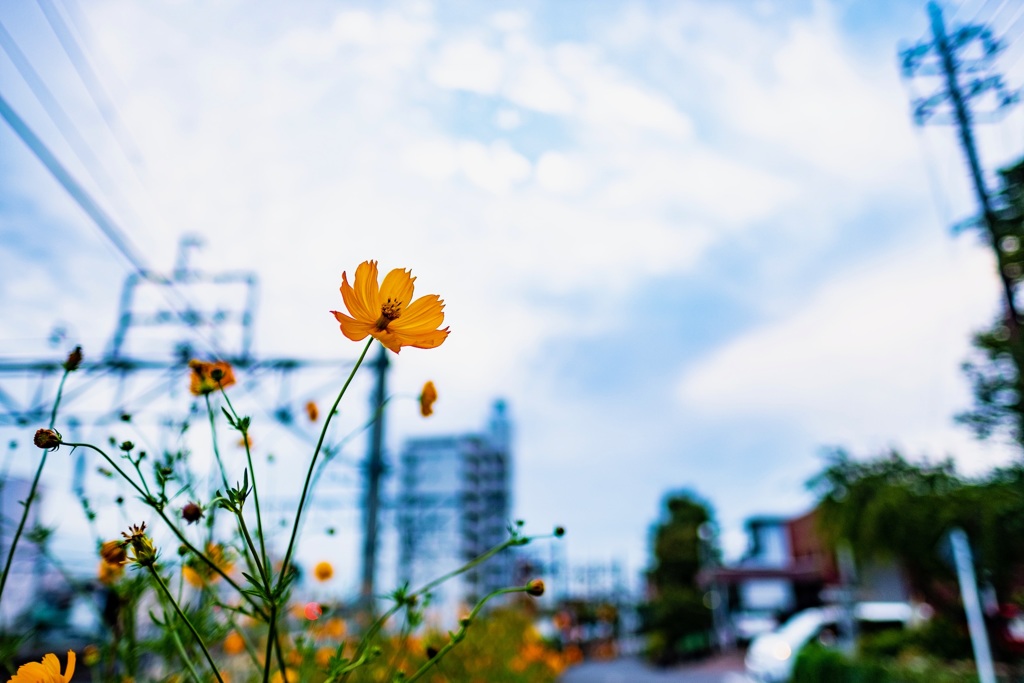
(818, 664)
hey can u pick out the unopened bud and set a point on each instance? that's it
(191, 513)
(535, 588)
(48, 439)
(74, 360)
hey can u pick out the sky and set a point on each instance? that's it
(694, 245)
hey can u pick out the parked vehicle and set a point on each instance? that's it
(770, 657)
(752, 623)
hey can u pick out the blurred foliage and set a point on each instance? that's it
(995, 370)
(938, 637)
(502, 647)
(676, 620)
(889, 508)
(819, 664)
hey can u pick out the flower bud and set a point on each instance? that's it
(143, 550)
(535, 588)
(191, 513)
(47, 439)
(74, 360)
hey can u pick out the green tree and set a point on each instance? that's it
(996, 368)
(676, 620)
(889, 508)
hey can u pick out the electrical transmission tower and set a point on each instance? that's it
(963, 58)
(147, 360)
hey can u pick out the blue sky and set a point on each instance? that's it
(691, 243)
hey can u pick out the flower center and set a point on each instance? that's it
(389, 310)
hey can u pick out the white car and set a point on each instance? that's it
(770, 657)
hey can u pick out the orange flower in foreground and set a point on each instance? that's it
(209, 377)
(387, 313)
(46, 672)
(427, 398)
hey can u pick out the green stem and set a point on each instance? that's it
(348, 437)
(32, 490)
(312, 463)
(249, 647)
(271, 637)
(255, 491)
(252, 548)
(181, 614)
(456, 638)
(216, 448)
(177, 532)
(184, 654)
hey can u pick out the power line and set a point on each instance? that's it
(92, 208)
(61, 119)
(92, 82)
(81, 196)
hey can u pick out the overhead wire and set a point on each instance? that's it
(93, 84)
(107, 225)
(57, 114)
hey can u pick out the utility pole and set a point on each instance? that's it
(374, 474)
(945, 50)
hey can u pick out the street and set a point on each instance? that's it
(726, 669)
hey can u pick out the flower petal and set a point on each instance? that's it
(52, 665)
(356, 330)
(397, 286)
(423, 340)
(424, 315)
(366, 288)
(70, 671)
(353, 300)
(389, 339)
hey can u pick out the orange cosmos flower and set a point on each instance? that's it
(46, 672)
(387, 313)
(312, 411)
(209, 377)
(427, 398)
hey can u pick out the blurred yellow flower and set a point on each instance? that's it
(323, 571)
(312, 411)
(292, 676)
(108, 574)
(427, 398)
(46, 672)
(333, 628)
(209, 377)
(233, 644)
(387, 313)
(198, 573)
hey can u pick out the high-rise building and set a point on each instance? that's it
(454, 504)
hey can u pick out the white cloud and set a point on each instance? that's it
(468, 65)
(560, 173)
(495, 167)
(870, 360)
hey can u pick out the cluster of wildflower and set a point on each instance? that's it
(256, 627)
